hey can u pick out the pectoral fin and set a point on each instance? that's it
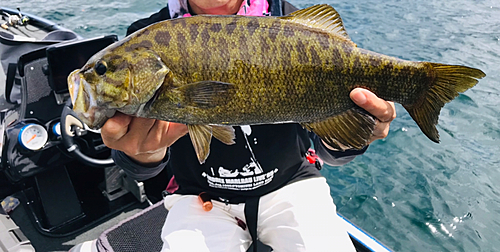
(201, 137)
(351, 129)
(206, 94)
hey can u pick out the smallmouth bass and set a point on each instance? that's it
(213, 72)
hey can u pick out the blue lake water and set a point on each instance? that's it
(410, 193)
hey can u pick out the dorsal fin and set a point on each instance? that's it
(321, 16)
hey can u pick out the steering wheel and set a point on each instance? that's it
(71, 128)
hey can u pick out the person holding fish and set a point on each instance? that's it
(308, 222)
(263, 88)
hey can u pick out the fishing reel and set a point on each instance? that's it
(14, 20)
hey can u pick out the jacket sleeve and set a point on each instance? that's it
(134, 170)
(332, 157)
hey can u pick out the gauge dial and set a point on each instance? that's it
(33, 137)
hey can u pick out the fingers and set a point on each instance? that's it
(139, 130)
(115, 128)
(383, 110)
(175, 131)
(380, 131)
(142, 139)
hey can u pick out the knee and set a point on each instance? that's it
(184, 240)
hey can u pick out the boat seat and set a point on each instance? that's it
(140, 232)
(60, 35)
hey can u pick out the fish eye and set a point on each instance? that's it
(100, 68)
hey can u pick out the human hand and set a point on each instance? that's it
(383, 110)
(143, 140)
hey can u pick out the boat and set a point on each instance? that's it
(58, 184)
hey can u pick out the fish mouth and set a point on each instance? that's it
(95, 117)
(73, 85)
(84, 102)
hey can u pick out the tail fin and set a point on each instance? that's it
(448, 82)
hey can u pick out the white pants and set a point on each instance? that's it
(298, 217)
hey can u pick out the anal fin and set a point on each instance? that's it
(350, 130)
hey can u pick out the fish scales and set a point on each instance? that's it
(235, 70)
(268, 59)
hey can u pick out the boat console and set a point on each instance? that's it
(60, 170)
